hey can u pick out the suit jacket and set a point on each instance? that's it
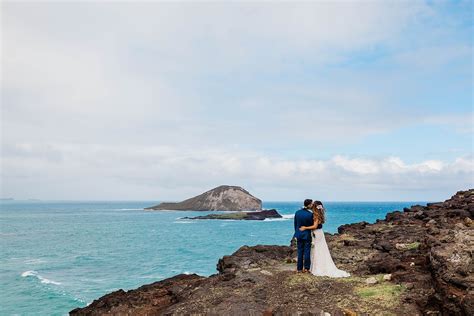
(303, 217)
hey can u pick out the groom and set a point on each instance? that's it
(304, 217)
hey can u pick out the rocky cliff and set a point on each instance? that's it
(415, 262)
(222, 198)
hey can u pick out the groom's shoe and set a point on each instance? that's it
(305, 271)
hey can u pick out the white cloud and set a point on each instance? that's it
(145, 172)
(460, 123)
(110, 100)
(118, 59)
(390, 165)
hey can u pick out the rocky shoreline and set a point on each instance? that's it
(239, 216)
(415, 262)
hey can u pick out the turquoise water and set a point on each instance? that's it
(56, 256)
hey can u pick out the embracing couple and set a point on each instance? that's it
(313, 251)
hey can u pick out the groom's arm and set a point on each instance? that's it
(314, 226)
(294, 221)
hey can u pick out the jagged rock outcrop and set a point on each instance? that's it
(246, 216)
(428, 249)
(222, 198)
(415, 262)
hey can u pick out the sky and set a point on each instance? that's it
(339, 101)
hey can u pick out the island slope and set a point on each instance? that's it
(222, 198)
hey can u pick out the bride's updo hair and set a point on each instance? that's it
(319, 211)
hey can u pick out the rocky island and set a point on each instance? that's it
(247, 216)
(414, 262)
(222, 198)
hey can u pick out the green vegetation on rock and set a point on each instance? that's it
(384, 293)
(413, 245)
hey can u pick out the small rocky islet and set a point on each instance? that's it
(240, 204)
(247, 216)
(222, 198)
(415, 262)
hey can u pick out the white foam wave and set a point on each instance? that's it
(34, 261)
(79, 300)
(35, 274)
(275, 219)
(183, 222)
(283, 218)
(28, 273)
(8, 234)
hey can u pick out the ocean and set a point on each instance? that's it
(56, 255)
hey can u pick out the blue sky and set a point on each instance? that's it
(341, 100)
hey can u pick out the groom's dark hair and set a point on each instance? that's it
(307, 202)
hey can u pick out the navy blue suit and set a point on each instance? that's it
(303, 217)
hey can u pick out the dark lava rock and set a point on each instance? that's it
(256, 216)
(255, 256)
(222, 198)
(393, 216)
(383, 245)
(343, 228)
(426, 249)
(150, 299)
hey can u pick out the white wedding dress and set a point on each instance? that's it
(321, 260)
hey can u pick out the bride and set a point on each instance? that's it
(321, 260)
